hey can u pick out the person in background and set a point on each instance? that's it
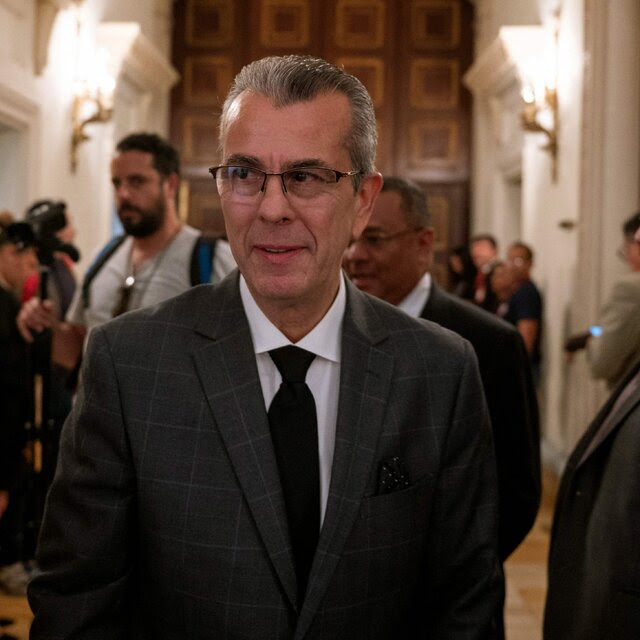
(503, 286)
(260, 458)
(391, 259)
(151, 264)
(62, 279)
(462, 272)
(613, 342)
(525, 304)
(484, 253)
(594, 555)
(6, 218)
(17, 261)
(55, 235)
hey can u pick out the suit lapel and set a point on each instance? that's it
(227, 370)
(365, 378)
(615, 411)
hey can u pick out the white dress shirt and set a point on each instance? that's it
(414, 302)
(323, 376)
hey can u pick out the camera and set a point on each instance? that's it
(46, 218)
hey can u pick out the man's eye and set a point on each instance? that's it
(240, 173)
(300, 175)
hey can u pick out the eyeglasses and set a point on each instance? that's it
(126, 290)
(376, 239)
(240, 183)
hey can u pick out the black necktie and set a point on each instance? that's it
(293, 424)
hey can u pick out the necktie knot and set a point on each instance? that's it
(292, 362)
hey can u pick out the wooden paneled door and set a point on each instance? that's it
(410, 54)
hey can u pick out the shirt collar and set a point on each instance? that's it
(414, 302)
(323, 340)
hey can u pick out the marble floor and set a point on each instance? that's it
(525, 570)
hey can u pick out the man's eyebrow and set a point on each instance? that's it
(305, 162)
(239, 159)
(132, 176)
(252, 161)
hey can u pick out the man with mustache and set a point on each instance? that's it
(151, 264)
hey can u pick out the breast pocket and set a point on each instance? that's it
(394, 519)
(387, 545)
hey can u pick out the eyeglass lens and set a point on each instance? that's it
(247, 182)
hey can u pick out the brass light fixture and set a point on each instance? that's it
(540, 104)
(542, 117)
(87, 109)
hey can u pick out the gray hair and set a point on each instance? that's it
(286, 80)
(414, 201)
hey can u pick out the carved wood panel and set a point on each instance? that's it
(410, 54)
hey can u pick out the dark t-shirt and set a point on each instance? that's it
(526, 304)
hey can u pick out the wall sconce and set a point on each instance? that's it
(540, 94)
(88, 108)
(541, 116)
(93, 87)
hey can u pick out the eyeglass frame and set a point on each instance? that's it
(382, 238)
(339, 175)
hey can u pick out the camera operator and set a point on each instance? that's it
(55, 281)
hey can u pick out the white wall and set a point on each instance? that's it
(19, 119)
(35, 109)
(547, 204)
(609, 185)
(574, 222)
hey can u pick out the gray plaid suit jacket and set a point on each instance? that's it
(166, 517)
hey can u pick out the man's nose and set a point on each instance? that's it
(273, 204)
(357, 250)
(121, 191)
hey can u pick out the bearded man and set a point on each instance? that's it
(150, 264)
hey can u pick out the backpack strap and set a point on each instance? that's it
(107, 251)
(201, 267)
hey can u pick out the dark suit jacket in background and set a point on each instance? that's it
(513, 407)
(166, 518)
(594, 558)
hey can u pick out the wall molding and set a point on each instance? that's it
(133, 56)
(46, 14)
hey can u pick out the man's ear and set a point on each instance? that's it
(172, 182)
(366, 197)
(425, 242)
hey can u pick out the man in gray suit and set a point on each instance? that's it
(613, 343)
(594, 582)
(594, 556)
(172, 514)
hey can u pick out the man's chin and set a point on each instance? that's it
(139, 229)
(364, 283)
